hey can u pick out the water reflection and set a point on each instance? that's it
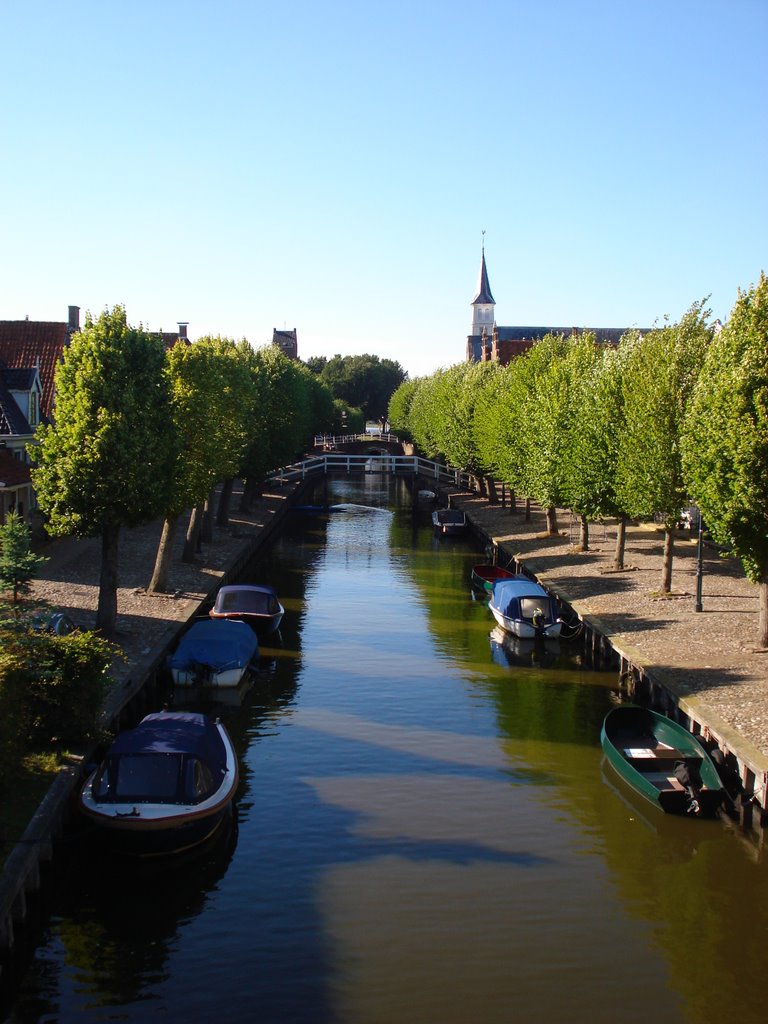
(425, 833)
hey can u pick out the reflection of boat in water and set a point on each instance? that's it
(507, 649)
(661, 760)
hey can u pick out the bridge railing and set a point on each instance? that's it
(324, 440)
(394, 465)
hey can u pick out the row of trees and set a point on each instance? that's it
(361, 384)
(143, 433)
(634, 432)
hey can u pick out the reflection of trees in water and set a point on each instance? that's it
(111, 902)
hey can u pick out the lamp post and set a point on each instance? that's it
(698, 606)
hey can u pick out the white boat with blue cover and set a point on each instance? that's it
(525, 609)
(214, 652)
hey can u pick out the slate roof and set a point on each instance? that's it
(29, 343)
(12, 419)
(483, 286)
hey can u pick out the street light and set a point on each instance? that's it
(698, 606)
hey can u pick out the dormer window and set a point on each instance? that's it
(34, 408)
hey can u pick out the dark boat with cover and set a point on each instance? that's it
(163, 787)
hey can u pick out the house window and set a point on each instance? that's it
(34, 408)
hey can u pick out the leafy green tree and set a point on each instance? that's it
(659, 378)
(725, 439)
(399, 409)
(211, 400)
(108, 459)
(539, 389)
(18, 563)
(365, 382)
(283, 416)
(594, 448)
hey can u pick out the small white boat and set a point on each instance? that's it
(449, 522)
(257, 605)
(163, 787)
(525, 609)
(214, 652)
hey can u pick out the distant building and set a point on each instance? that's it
(287, 342)
(490, 343)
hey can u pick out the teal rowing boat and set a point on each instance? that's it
(661, 760)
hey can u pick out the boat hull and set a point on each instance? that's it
(484, 576)
(646, 748)
(524, 629)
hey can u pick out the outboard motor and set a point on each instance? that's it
(691, 783)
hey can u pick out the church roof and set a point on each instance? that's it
(483, 287)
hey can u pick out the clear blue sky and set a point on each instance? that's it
(331, 166)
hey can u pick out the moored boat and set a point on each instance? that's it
(163, 787)
(661, 760)
(449, 521)
(524, 608)
(484, 576)
(255, 604)
(214, 652)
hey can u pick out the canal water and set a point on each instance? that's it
(425, 831)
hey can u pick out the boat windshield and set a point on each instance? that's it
(530, 606)
(155, 778)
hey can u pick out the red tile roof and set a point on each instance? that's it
(26, 343)
(12, 471)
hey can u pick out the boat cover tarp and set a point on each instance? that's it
(507, 594)
(218, 643)
(173, 732)
(255, 600)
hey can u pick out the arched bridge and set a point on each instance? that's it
(349, 463)
(360, 444)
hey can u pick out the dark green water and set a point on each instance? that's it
(425, 833)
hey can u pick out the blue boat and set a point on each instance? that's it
(214, 652)
(525, 609)
(163, 787)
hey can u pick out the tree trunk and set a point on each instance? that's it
(222, 513)
(159, 582)
(206, 530)
(189, 553)
(583, 534)
(551, 520)
(512, 502)
(762, 613)
(106, 612)
(493, 497)
(527, 510)
(621, 540)
(666, 569)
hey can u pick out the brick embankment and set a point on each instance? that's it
(708, 660)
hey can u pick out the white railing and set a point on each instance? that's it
(325, 440)
(395, 465)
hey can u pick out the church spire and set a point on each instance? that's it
(484, 295)
(483, 304)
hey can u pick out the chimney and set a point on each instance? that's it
(183, 329)
(74, 319)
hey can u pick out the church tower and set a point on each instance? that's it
(483, 304)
